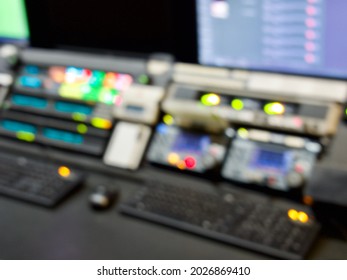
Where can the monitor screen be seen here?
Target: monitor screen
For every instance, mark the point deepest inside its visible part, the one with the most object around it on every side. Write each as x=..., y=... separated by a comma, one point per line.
x=304, y=37
x=13, y=22
x=133, y=26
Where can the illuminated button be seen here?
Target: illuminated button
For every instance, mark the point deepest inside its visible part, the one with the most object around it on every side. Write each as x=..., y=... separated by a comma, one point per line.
x=181, y=165
x=173, y=158
x=25, y=136
x=237, y=104
x=101, y=123
x=303, y=217
x=274, y=108
x=168, y=120
x=293, y=215
x=210, y=99
x=190, y=162
x=64, y=171
x=31, y=82
x=82, y=128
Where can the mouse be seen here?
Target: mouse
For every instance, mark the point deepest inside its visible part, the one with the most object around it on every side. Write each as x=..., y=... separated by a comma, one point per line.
x=102, y=198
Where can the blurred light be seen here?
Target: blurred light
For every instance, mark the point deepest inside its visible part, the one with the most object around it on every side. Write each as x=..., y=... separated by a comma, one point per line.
x=173, y=158
x=303, y=217
x=210, y=99
x=168, y=120
x=308, y=200
x=181, y=165
x=82, y=128
x=25, y=136
x=79, y=117
x=64, y=171
x=243, y=133
x=293, y=214
x=237, y=104
x=190, y=162
x=101, y=123
x=143, y=79
x=274, y=108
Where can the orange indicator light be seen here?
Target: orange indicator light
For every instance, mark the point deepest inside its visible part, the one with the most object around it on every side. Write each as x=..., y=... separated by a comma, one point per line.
x=64, y=171
x=303, y=217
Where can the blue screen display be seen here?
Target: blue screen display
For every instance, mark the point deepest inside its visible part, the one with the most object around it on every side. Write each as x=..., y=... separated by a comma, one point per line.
x=305, y=37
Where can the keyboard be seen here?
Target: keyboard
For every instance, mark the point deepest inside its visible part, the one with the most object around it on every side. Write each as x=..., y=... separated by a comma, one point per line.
x=38, y=181
x=271, y=226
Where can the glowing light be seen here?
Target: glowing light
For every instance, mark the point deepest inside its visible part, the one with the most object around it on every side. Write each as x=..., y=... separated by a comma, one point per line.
x=143, y=79
x=25, y=136
x=303, y=217
x=64, y=171
x=101, y=123
x=308, y=200
x=237, y=104
x=293, y=215
x=210, y=99
x=173, y=158
x=243, y=133
x=274, y=108
x=190, y=162
x=181, y=165
x=82, y=128
x=168, y=120
x=79, y=117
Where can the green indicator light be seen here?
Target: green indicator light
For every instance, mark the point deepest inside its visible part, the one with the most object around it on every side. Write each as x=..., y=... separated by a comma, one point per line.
x=168, y=120
x=25, y=136
x=79, y=117
x=82, y=128
x=243, y=133
x=346, y=111
x=143, y=79
x=274, y=108
x=210, y=99
x=97, y=79
x=237, y=104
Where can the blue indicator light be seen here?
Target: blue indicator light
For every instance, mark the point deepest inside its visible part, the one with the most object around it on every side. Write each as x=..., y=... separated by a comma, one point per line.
x=30, y=82
x=28, y=101
x=31, y=69
x=64, y=136
x=67, y=107
x=16, y=126
x=162, y=128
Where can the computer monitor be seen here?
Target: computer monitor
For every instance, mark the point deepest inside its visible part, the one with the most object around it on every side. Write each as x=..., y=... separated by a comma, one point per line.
x=132, y=26
x=303, y=37
x=13, y=22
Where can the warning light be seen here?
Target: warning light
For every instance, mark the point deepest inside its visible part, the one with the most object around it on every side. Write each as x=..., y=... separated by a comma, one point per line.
x=293, y=215
x=274, y=108
x=173, y=158
x=303, y=217
x=210, y=99
x=168, y=120
x=64, y=171
x=190, y=162
x=237, y=104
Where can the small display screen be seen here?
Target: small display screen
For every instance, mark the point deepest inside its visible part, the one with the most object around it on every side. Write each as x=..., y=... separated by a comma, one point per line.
x=77, y=83
x=270, y=160
x=189, y=142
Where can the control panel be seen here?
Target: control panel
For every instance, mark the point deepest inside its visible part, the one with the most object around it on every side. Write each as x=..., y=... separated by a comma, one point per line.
x=278, y=161
x=186, y=150
x=217, y=109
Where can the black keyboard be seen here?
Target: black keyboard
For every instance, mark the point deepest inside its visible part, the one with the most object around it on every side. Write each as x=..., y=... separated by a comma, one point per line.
x=275, y=227
x=39, y=181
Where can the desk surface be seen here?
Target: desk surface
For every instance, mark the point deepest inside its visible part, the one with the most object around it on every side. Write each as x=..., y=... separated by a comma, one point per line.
x=74, y=231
